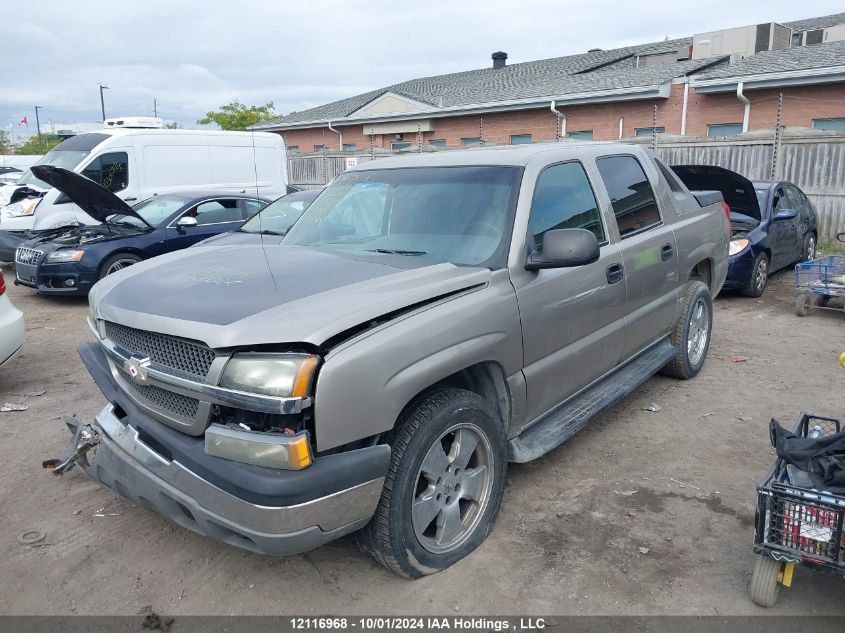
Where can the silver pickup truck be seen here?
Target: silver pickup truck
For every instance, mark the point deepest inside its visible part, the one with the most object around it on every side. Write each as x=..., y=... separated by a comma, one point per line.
x=429, y=319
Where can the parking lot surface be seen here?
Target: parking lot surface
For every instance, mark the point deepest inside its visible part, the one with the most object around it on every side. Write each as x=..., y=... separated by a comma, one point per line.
x=642, y=513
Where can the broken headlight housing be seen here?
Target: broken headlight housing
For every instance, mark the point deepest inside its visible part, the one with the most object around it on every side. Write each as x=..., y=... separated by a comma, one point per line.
x=279, y=375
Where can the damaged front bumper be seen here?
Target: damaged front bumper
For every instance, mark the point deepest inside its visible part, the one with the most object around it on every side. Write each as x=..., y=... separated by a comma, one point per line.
x=263, y=510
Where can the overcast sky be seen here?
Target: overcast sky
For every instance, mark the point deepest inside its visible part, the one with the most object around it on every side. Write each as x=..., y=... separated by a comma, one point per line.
x=195, y=56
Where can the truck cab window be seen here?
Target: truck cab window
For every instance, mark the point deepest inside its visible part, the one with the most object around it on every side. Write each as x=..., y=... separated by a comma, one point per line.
x=563, y=199
x=109, y=170
x=630, y=194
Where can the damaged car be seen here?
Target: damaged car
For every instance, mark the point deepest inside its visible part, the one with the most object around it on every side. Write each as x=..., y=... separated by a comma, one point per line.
x=773, y=224
x=70, y=260
x=428, y=320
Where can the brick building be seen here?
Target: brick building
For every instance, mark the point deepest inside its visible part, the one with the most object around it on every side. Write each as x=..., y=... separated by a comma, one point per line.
x=712, y=84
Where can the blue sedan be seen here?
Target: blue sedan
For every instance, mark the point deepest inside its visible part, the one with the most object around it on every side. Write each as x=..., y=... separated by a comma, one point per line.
x=69, y=260
x=773, y=224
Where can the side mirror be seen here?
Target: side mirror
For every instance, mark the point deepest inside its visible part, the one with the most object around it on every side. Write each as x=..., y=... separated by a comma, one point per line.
x=564, y=248
x=186, y=220
x=785, y=214
x=840, y=237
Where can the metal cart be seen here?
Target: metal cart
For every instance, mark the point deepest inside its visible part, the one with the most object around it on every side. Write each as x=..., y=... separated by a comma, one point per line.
x=818, y=281
x=796, y=524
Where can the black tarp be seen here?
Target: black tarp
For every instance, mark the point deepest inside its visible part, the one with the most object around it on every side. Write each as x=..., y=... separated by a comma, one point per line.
x=823, y=458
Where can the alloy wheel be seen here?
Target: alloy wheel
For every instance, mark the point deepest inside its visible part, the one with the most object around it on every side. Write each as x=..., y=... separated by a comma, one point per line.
x=120, y=264
x=453, y=488
x=761, y=275
x=698, y=332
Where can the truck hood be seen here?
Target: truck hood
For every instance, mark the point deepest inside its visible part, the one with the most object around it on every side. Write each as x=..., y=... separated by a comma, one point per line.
x=96, y=201
x=239, y=295
x=736, y=189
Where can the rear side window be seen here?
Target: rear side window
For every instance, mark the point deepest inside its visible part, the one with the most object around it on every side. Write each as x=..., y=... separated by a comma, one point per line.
x=564, y=199
x=630, y=194
x=109, y=170
x=216, y=212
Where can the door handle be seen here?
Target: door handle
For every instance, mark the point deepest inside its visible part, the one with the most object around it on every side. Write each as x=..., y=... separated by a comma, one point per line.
x=666, y=252
x=614, y=272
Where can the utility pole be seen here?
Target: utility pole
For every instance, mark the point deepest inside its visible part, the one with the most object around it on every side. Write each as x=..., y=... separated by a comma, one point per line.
x=38, y=124
x=155, y=108
x=776, y=140
x=654, y=130
x=103, y=103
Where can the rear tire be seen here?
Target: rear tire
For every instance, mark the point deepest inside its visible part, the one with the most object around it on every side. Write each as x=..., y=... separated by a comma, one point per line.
x=117, y=262
x=759, y=277
x=808, y=249
x=764, y=581
x=691, y=336
x=444, y=485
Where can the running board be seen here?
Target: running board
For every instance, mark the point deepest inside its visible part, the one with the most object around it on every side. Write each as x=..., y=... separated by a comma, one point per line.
x=567, y=419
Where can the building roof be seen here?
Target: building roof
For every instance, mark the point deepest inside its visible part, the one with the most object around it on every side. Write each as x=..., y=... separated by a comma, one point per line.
x=598, y=75
x=819, y=63
x=811, y=24
x=584, y=72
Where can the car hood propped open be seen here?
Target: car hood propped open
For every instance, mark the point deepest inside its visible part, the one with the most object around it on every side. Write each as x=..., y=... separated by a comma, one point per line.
x=736, y=189
x=95, y=200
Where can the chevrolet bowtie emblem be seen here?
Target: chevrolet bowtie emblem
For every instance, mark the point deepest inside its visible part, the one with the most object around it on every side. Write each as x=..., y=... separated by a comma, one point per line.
x=136, y=366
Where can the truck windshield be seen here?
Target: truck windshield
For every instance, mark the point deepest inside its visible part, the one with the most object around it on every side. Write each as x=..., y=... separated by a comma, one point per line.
x=67, y=154
x=447, y=214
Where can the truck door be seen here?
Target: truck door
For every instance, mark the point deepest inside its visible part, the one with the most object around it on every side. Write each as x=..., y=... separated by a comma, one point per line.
x=648, y=252
x=114, y=170
x=573, y=319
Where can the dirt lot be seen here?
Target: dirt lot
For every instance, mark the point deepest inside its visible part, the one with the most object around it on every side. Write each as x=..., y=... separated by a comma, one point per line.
x=566, y=541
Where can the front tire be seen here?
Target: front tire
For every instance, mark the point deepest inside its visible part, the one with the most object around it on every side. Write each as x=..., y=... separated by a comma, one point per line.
x=117, y=262
x=691, y=336
x=759, y=277
x=444, y=486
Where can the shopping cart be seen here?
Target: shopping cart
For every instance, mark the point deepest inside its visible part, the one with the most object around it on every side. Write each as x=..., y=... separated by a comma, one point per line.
x=818, y=281
x=795, y=523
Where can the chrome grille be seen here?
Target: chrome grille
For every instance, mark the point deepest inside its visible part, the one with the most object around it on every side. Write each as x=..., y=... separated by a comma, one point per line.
x=181, y=357
x=165, y=400
x=28, y=256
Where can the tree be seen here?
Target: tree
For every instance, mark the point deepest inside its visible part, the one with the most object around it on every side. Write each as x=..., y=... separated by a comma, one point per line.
x=172, y=125
x=5, y=143
x=237, y=116
x=39, y=144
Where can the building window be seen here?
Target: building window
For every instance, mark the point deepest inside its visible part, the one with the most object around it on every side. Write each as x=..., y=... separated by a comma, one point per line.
x=350, y=147
x=648, y=131
x=584, y=135
x=437, y=143
x=520, y=139
x=319, y=148
x=724, y=129
x=630, y=194
x=470, y=141
x=293, y=149
x=397, y=146
x=832, y=125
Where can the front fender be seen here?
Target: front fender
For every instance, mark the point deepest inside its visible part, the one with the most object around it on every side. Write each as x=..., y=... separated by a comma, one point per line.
x=364, y=385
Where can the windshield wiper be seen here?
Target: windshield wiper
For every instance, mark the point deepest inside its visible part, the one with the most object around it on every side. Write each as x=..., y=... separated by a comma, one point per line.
x=395, y=251
x=262, y=232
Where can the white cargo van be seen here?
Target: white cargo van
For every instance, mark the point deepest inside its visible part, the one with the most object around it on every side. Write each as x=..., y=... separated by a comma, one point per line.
x=138, y=163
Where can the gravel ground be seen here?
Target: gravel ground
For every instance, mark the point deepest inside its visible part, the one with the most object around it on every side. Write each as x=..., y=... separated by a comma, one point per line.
x=568, y=538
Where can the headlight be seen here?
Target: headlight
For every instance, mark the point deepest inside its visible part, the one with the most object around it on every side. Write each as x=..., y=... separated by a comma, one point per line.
x=64, y=256
x=272, y=450
x=24, y=207
x=737, y=246
x=282, y=375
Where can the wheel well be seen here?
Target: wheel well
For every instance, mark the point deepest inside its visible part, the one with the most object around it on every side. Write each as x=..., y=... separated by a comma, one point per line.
x=702, y=271
x=115, y=254
x=487, y=379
